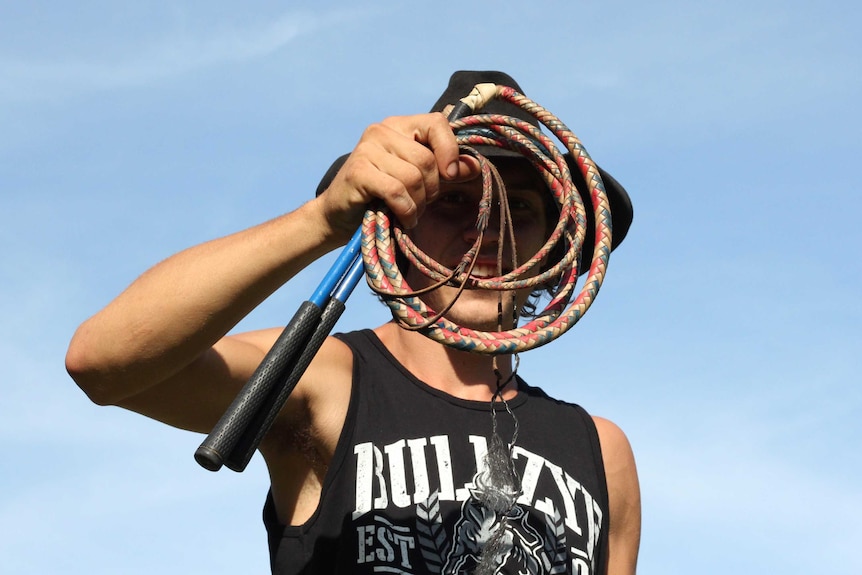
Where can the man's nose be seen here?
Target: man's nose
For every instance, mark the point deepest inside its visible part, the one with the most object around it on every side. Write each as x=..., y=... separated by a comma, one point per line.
x=492, y=227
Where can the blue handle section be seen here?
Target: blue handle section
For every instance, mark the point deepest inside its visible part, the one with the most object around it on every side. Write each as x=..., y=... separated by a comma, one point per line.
x=348, y=256
x=350, y=279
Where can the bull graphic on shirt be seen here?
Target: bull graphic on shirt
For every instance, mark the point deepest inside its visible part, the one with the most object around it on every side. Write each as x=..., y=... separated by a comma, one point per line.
x=489, y=542
x=486, y=542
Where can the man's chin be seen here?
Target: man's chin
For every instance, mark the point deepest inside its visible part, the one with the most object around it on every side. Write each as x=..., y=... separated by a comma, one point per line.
x=478, y=310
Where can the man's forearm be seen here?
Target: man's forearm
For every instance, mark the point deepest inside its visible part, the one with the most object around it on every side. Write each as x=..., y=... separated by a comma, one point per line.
x=183, y=305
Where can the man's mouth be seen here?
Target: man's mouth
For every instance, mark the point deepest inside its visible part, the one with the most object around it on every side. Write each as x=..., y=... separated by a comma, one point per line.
x=488, y=268
x=484, y=271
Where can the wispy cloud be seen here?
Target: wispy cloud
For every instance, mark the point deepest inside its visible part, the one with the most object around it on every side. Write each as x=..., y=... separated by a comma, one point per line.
x=179, y=53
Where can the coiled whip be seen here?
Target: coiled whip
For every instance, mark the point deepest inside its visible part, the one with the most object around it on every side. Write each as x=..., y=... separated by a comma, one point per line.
x=380, y=235
x=373, y=248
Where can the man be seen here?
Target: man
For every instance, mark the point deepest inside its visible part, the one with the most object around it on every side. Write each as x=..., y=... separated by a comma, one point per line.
x=379, y=460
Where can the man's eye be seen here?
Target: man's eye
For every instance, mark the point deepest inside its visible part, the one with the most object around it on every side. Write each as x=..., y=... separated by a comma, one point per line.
x=521, y=205
x=453, y=198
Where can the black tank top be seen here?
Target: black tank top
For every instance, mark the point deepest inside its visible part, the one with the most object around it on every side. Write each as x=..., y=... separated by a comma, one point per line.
x=398, y=496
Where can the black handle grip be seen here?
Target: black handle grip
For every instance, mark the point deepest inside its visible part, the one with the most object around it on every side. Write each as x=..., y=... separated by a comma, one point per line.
x=254, y=433
x=273, y=369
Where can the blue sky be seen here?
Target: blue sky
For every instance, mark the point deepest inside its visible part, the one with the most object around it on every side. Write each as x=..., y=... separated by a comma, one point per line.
x=725, y=340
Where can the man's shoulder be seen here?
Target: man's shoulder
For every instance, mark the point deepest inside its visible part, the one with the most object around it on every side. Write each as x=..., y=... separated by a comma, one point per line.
x=615, y=444
x=334, y=359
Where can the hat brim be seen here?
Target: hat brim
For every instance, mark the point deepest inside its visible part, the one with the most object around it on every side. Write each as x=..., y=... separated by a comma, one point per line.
x=618, y=198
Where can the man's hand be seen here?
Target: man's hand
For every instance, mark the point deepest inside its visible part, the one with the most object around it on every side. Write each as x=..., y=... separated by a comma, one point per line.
x=400, y=161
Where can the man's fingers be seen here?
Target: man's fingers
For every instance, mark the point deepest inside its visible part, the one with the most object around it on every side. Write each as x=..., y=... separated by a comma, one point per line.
x=404, y=185
x=378, y=175
x=467, y=169
x=401, y=161
x=435, y=133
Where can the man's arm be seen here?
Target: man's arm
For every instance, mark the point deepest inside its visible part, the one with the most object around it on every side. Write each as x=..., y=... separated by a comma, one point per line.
x=160, y=348
x=167, y=327
x=624, y=498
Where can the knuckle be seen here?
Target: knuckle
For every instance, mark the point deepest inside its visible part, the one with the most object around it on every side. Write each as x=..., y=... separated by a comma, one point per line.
x=408, y=208
x=440, y=119
x=392, y=122
x=425, y=161
x=407, y=214
x=413, y=179
x=371, y=132
x=354, y=167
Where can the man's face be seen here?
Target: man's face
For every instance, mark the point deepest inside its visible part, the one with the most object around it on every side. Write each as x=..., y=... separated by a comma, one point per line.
x=447, y=230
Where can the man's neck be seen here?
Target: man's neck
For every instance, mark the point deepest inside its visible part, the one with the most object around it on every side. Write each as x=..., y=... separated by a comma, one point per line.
x=459, y=373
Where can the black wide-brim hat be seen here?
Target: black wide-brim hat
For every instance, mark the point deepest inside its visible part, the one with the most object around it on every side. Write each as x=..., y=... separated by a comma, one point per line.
x=460, y=85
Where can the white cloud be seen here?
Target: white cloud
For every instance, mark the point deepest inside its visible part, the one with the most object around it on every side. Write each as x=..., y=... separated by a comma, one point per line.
x=172, y=55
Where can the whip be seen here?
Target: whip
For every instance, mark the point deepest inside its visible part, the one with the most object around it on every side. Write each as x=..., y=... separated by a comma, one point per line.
x=373, y=248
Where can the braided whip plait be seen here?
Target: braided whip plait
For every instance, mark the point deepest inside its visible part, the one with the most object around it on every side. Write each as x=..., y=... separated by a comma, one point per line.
x=380, y=235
